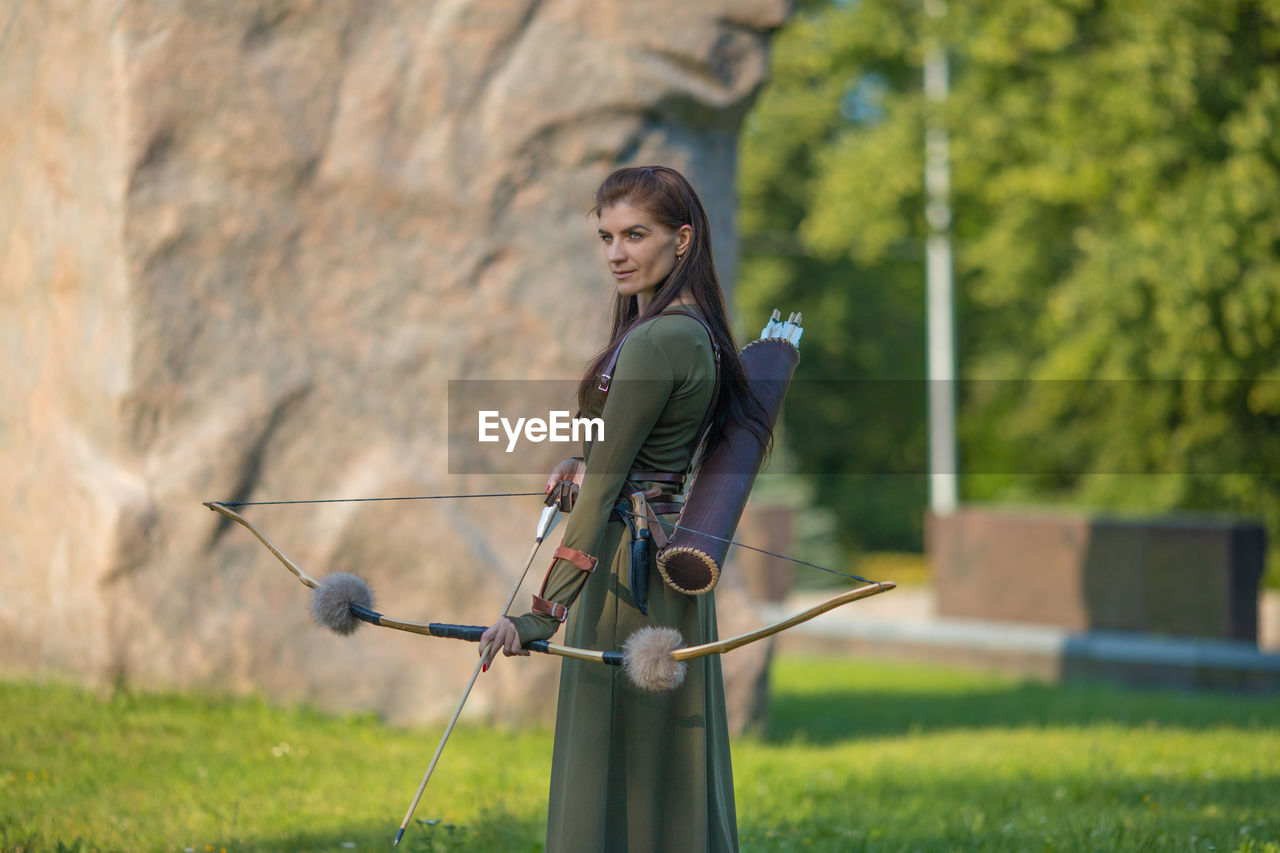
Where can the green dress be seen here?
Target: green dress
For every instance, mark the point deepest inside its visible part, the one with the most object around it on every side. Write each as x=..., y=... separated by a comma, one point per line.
x=636, y=771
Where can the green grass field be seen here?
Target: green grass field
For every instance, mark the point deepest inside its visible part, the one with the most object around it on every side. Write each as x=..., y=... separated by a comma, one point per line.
x=857, y=756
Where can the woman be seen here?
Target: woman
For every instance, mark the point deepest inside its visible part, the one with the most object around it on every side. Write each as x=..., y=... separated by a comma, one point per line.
x=633, y=770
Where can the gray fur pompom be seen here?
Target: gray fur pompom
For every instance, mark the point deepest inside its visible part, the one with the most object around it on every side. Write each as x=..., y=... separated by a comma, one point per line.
x=647, y=661
x=331, y=601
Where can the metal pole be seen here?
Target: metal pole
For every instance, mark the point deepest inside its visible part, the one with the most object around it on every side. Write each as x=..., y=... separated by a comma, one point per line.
x=938, y=279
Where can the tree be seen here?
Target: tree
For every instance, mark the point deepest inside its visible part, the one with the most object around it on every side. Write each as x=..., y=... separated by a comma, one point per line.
x=853, y=415
x=1116, y=189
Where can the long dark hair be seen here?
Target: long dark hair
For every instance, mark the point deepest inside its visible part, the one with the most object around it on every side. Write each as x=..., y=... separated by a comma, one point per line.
x=667, y=196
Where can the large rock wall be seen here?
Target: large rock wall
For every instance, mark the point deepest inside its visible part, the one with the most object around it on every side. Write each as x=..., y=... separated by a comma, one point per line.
x=243, y=248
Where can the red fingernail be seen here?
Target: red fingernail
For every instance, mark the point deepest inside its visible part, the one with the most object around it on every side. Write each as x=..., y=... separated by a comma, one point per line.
x=484, y=668
x=548, y=491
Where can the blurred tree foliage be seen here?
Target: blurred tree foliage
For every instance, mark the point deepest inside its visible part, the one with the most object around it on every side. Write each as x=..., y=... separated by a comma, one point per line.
x=1116, y=199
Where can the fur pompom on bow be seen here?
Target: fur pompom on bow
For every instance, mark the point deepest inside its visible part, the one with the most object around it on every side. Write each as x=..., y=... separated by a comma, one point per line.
x=647, y=660
x=331, y=601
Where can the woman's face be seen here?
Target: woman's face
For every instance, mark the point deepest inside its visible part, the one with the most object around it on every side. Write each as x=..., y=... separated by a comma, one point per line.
x=640, y=251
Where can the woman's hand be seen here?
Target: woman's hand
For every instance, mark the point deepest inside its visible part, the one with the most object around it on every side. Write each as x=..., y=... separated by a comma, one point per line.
x=564, y=482
x=570, y=470
x=500, y=635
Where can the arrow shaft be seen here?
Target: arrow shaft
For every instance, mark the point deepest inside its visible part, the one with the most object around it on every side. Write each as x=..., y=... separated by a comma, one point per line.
x=435, y=759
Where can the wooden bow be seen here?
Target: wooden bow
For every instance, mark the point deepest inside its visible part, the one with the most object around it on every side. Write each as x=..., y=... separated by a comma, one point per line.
x=472, y=633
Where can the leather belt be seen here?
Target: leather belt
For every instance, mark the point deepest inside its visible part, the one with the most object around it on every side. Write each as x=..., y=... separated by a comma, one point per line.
x=661, y=501
x=658, y=501
x=660, y=507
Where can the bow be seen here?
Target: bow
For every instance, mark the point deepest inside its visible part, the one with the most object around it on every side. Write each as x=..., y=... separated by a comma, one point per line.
x=653, y=658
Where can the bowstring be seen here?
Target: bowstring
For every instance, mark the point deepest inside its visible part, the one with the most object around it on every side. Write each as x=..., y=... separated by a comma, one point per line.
x=631, y=513
x=363, y=500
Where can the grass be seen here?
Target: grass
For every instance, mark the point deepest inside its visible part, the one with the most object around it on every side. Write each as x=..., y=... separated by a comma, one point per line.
x=856, y=756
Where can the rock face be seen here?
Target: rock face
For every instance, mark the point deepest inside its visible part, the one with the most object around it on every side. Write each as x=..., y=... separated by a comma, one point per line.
x=243, y=249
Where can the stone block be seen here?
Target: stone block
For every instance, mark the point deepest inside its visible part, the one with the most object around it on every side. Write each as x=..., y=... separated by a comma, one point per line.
x=1178, y=575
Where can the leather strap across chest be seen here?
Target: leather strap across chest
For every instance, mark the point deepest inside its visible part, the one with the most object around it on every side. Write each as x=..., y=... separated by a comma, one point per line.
x=606, y=377
x=704, y=428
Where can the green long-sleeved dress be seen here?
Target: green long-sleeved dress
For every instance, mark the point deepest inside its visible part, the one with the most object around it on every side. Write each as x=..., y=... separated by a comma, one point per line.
x=636, y=771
